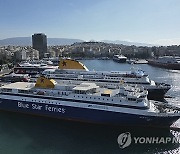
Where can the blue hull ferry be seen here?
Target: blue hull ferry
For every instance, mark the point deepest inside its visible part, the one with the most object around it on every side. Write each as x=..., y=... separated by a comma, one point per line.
x=87, y=102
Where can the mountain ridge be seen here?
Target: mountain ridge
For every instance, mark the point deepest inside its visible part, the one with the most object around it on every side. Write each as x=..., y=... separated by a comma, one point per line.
x=129, y=43
x=27, y=41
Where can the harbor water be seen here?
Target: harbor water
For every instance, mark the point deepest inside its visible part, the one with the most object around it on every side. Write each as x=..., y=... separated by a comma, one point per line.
x=26, y=134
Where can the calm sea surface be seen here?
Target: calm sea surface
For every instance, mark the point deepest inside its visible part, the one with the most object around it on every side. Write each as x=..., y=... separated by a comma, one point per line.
x=27, y=134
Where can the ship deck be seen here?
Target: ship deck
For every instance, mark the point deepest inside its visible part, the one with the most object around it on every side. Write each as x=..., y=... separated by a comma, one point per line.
x=25, y=86
x=19, y=85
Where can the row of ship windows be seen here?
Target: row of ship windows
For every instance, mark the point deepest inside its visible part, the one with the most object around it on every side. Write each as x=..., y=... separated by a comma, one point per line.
x=42, y=101
x=128, y=83
x=74, y=96
x=111, y=84
x=115, y=78
x=96, y=98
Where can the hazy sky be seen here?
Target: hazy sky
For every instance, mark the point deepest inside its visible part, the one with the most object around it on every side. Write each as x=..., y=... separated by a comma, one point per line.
x=146, y=21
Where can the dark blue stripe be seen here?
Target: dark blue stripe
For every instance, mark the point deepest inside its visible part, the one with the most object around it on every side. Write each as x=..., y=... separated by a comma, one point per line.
x=89, y=115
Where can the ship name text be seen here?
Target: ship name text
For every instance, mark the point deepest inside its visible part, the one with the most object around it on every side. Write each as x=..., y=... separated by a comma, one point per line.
x=33, y=106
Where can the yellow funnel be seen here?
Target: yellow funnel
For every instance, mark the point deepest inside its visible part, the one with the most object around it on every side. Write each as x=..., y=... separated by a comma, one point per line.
x=71, y=64
x=43, y=82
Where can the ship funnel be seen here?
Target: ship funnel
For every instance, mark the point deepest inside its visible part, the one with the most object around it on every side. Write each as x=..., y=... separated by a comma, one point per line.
x=71, y=64
x=43, y=82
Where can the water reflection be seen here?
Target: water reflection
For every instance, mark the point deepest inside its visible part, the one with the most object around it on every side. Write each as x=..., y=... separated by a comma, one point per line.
x=45, y=135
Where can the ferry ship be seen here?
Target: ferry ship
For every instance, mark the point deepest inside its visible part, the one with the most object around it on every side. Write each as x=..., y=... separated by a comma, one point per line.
x=168, y=62
x=12, y=77
x=73, y=70
x=32, y=68
x=86, y=102
x=119, y=58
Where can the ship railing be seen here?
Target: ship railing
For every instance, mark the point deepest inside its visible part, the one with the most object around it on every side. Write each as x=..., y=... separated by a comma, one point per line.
x=161, y=85
x=167, y=108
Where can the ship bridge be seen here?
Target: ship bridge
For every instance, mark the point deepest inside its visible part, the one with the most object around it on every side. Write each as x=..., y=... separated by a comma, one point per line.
x=84, y=88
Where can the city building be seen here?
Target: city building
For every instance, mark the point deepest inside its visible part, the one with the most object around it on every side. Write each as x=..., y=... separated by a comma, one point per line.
x=20, y=55
x=39, y=42
x=32, y=54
